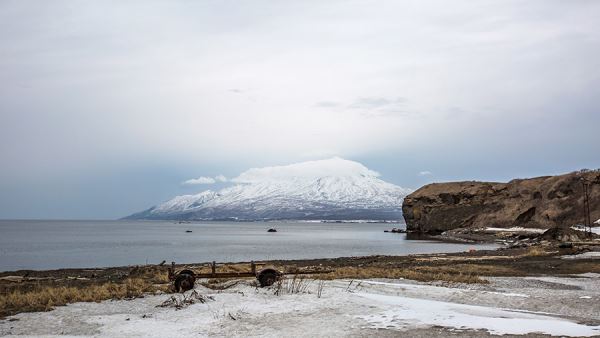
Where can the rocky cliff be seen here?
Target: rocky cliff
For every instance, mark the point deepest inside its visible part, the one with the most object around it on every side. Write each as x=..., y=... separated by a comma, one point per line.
x=541, y=202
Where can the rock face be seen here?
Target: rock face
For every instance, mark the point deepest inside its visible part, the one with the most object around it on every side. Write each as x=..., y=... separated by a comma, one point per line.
x=541, y=202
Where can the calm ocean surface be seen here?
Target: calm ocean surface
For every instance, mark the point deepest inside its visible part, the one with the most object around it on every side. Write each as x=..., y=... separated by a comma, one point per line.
x=62, y=244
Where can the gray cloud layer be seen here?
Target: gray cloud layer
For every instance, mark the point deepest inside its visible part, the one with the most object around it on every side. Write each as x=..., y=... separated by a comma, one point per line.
x=98, y=91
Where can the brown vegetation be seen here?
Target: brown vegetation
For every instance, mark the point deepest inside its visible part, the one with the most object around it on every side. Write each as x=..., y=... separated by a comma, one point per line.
x=423, y=274
x=45, y=298
x=36, y=293
x=294, y=285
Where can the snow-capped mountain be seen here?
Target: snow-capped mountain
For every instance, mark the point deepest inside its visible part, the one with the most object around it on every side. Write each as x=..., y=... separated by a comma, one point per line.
x=326, y=189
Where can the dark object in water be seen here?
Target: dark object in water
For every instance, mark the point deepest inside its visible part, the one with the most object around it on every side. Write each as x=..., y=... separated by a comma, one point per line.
x=188, y=231
x=272, y=230
x=396, y=231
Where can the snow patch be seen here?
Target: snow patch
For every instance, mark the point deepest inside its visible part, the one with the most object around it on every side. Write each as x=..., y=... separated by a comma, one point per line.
x=585, y=255
x=431, y=289
x=516, y=229
x=594, y=229
x=508, y=294
x=410, y=313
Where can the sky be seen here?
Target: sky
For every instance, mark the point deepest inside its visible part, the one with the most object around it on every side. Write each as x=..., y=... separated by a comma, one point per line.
x=109, y=107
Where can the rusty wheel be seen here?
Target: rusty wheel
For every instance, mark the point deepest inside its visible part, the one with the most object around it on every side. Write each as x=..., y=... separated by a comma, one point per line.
x=187, y=272
x=184, y=282
x=267, y=277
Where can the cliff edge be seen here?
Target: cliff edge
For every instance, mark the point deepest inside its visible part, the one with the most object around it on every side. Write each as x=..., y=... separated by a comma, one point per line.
x=541, y=202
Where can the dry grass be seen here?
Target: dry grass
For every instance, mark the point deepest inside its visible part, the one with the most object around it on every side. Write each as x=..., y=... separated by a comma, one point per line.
x=296, y=284
x=423, y=274
x=579, y=267
x=152, y=274
x=480, y=269
x=320, y=287
x=181, y=301
x=226, y=283
x=45, y=298
x=535, y=251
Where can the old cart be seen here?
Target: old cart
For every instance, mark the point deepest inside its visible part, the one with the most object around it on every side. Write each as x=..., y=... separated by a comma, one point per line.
x=184, y=280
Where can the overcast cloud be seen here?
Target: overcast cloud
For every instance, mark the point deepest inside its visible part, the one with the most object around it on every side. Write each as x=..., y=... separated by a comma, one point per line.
x=106, y=106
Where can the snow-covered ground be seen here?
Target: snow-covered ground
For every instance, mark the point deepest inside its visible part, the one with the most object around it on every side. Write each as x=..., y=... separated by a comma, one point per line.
x=585, y=255
x=546, y=305
x=595, y=228
x=515, y=229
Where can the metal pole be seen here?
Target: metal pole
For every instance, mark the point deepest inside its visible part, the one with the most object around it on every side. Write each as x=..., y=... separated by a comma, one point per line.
x=587, y=221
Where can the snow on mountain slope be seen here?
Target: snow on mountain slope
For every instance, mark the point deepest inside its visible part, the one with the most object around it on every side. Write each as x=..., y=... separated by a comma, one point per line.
x=325, y=189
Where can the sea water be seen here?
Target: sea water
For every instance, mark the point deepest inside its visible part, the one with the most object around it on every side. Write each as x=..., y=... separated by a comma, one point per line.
x=36, y=244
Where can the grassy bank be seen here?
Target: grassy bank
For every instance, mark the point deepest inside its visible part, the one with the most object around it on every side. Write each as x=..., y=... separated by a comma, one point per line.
x=45, y=298
x=44, y=294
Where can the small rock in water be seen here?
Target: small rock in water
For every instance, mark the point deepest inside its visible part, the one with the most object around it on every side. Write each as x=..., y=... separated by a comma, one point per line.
x=396, y=231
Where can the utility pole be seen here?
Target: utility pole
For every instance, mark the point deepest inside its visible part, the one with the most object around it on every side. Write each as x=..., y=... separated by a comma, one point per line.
x=587, y=221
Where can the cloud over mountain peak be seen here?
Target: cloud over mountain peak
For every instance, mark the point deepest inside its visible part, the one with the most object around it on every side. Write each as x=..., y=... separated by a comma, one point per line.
x=335, y=166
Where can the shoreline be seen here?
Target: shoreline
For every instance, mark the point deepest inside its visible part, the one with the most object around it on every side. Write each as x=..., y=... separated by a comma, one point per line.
x=410, y=236
x=533, y=291
x=61, y=271
x=507, y=241
x=461, y=267
x=443, y=238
